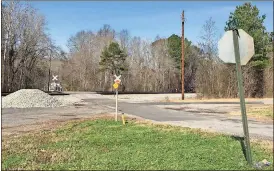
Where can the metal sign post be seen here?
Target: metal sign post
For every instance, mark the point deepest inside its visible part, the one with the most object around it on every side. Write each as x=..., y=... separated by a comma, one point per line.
x=115, y=86
x=116, y=114
x=236, y=46
x=241, y=94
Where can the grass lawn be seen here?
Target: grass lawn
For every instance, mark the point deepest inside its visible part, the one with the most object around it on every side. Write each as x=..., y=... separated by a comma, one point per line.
x=106, y=144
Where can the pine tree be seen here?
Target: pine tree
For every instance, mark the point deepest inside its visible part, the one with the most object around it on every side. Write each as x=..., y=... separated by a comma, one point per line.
x=113, y=59
x=247, y=17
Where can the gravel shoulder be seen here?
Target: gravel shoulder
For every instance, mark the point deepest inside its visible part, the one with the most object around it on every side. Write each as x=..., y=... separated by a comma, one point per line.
x=136, y=98
x=176, y=98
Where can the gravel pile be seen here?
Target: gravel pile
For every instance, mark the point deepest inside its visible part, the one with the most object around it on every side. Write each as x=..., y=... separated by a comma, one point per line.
x=28, y=98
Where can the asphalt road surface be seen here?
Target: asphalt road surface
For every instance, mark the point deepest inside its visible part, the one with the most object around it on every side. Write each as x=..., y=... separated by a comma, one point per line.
x=212, y=119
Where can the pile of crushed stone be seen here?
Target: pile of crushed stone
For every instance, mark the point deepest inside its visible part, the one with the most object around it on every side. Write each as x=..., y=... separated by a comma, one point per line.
x=28, y=98
x=68, y=99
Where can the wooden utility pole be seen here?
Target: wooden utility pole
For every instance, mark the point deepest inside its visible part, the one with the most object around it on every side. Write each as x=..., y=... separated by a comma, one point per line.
x=183, y=56
x=49, y=70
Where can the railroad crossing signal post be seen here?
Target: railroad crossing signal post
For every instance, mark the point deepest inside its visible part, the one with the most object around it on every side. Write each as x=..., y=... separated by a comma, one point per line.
x=236, y=46
x=115, y=86
x=116, y=109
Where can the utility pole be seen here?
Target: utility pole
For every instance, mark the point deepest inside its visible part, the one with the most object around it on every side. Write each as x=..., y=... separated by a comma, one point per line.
x=49, y=70
x=183, y=56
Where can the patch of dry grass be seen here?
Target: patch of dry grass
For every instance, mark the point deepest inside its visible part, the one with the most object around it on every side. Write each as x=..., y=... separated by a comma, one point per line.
x=258, y=111
x=216, y=100
x=266, y=145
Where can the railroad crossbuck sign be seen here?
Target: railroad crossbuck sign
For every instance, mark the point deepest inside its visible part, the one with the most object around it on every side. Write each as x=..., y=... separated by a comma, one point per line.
x=117, y=79
x=55, y=77
x=226, y=47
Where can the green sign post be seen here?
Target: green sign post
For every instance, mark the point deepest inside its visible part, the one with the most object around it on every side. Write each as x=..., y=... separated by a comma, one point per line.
x=236, y=46
x=241, y=94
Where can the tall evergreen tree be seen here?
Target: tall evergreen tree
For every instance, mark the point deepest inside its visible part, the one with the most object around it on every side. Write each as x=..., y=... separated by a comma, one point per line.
x=247, y=17
x=113, y=59
x=175, y=50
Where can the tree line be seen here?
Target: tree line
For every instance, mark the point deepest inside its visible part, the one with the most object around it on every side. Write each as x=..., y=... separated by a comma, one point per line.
x=24, y=46
x=95, y=56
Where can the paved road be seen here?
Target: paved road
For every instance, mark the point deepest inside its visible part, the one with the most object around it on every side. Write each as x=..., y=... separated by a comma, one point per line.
x=215, y=120
x=218, y=121
x=24, y=120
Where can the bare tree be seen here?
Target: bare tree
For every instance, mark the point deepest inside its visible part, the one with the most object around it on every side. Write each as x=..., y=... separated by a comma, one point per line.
x=209, y=40
x=124, y=38
x=25, y=43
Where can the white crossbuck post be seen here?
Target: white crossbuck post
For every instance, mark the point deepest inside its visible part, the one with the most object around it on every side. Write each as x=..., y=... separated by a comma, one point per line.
x=117, y=80
x=116, y=114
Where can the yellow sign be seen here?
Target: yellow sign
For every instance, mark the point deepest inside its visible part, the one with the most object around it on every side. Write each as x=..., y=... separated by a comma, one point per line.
x=115, y=85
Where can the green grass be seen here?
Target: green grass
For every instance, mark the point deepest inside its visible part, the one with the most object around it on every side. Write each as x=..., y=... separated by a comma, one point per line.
x=106, y=144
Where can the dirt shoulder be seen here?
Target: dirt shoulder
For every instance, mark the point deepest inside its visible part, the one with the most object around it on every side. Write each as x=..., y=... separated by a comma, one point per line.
x=56, y=123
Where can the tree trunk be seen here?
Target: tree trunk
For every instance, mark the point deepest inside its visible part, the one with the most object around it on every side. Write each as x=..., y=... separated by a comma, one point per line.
x=259, y=89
